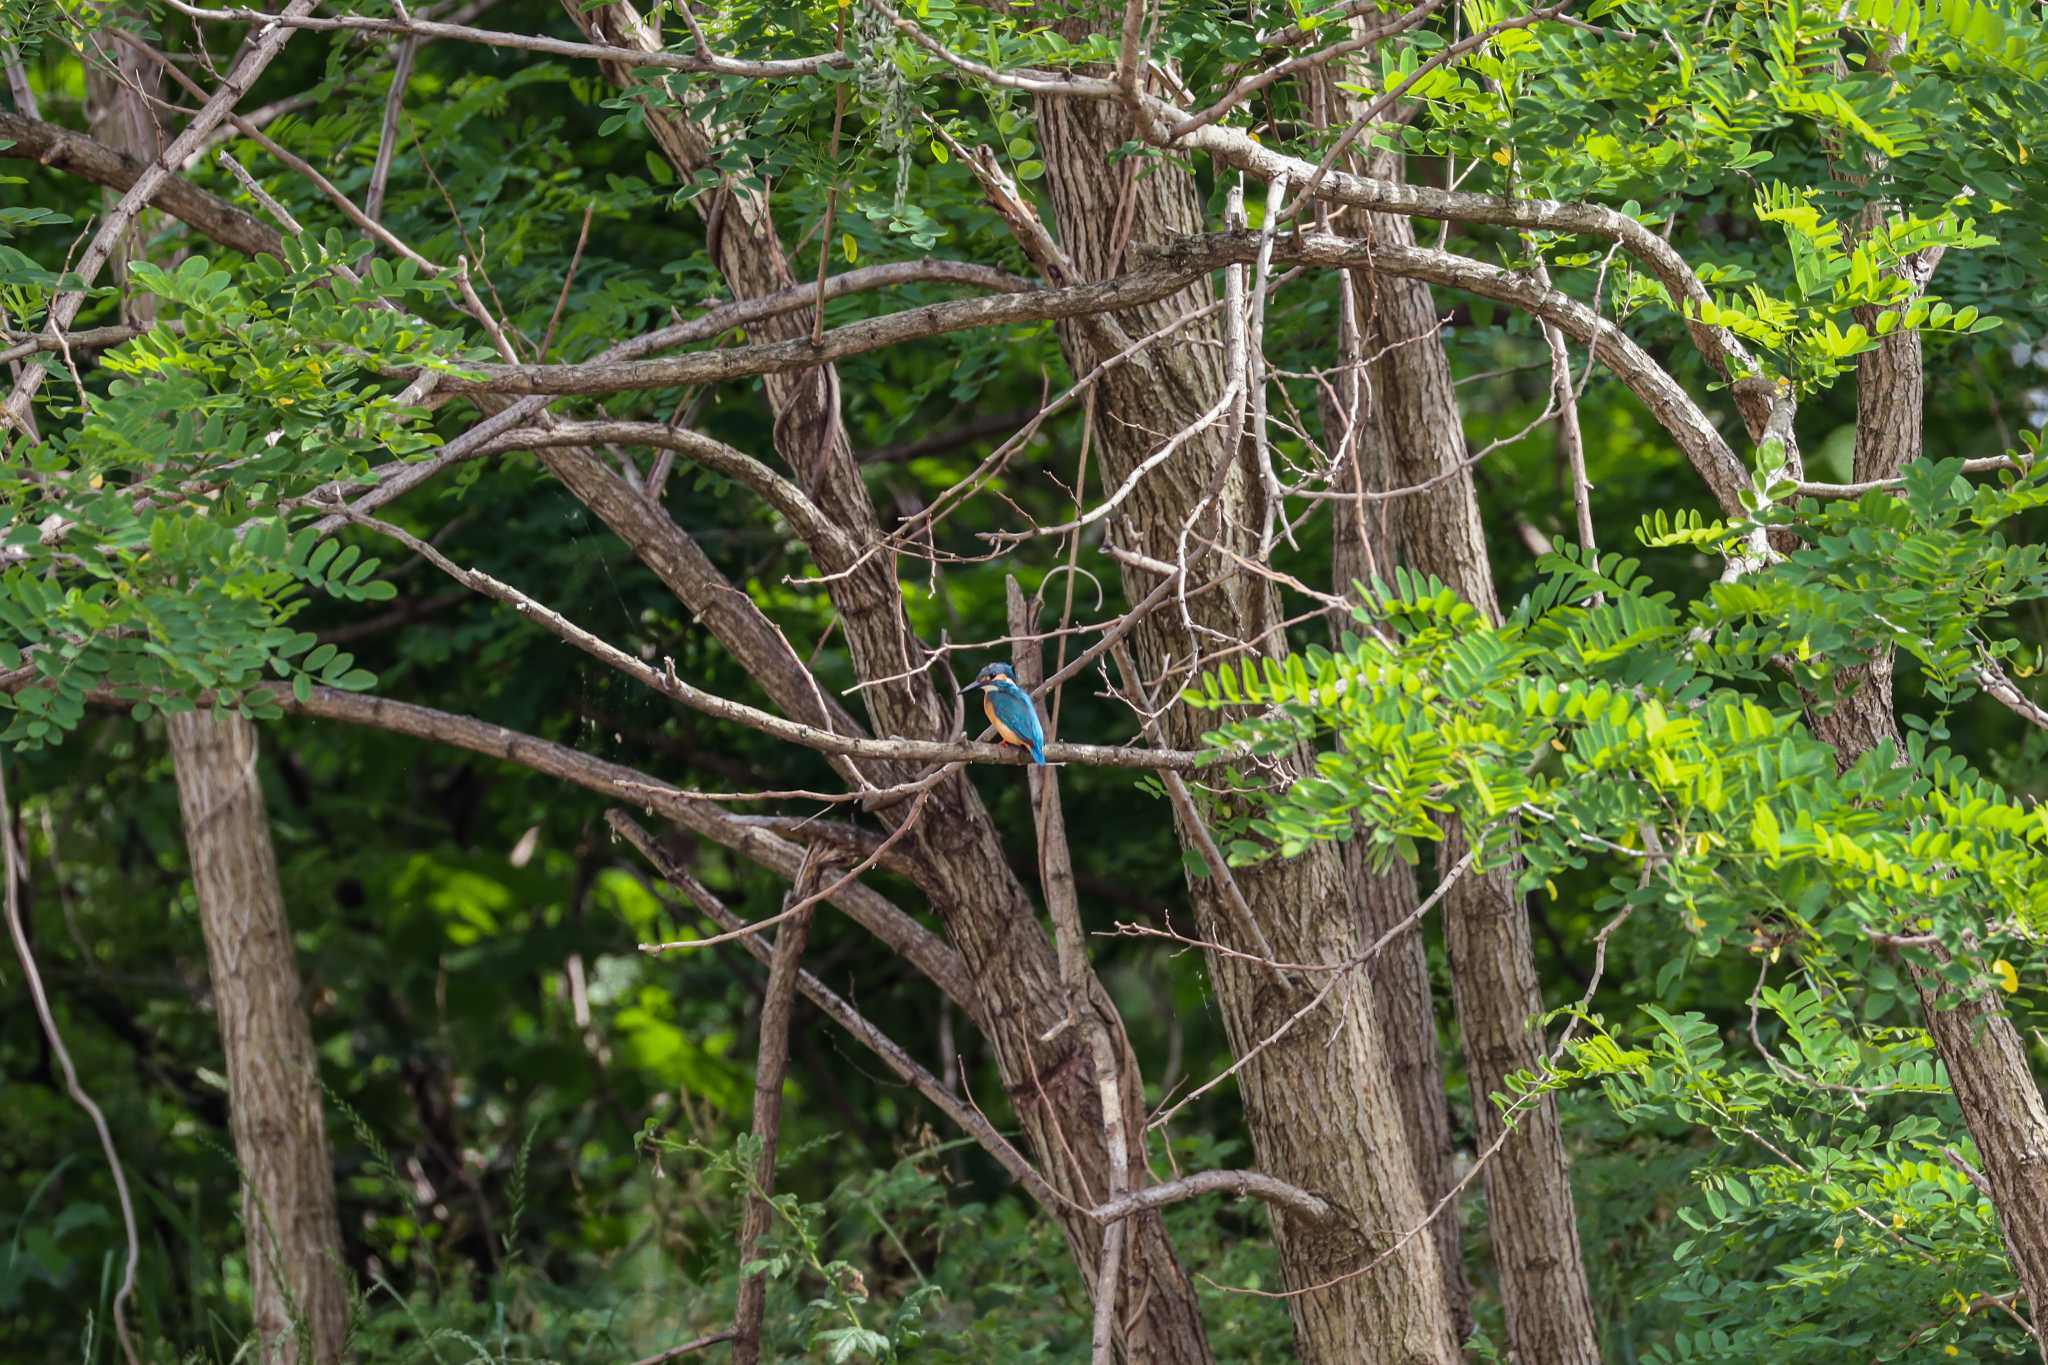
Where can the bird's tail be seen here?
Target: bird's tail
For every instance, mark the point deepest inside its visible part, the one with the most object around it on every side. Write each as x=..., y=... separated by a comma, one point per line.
x=1038, y=753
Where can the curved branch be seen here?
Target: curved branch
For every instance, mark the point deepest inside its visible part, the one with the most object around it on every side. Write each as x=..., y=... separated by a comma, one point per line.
x=10, y=869
x=865, y=906
x=666, y=682
x=1674, y=408
x=395, y=480
x=868, y=908
x=1255, y=1183
x=1306, y=61
x=76, y=154
x=804, y=353
x=1180, y=263
x=1168, y=126
x=1234, y=147
x=819, y=531
x=702, y=63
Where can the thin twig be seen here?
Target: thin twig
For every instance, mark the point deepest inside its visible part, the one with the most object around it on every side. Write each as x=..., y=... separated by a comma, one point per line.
x=771, y=1065
x=13, y=874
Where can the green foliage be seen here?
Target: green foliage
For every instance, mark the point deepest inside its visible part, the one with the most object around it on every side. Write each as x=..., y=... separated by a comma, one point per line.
x=1834, y=283
x=154, y=545
x=1598, y=719
x=494, y=1203
x=1602, y=727
x=1835, y=1215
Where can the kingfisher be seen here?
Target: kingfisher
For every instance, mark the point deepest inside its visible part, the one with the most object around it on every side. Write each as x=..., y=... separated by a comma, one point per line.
x=1010, y=709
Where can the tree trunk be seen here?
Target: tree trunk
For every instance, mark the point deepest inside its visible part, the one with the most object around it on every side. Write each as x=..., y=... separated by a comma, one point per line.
x=1529, y=1205
x=280, y=1130
x=1974, y=1036
x=2001, y=1104
x=1321, y=1112
x=1048, y=1070
x=1363, y=544
x=298, y=1295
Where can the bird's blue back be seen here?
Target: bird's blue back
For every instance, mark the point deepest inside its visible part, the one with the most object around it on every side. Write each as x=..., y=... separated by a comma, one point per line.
x=1012, y=708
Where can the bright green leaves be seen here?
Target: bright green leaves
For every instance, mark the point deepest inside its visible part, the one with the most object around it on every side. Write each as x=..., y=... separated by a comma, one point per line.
x=1924, y=571
x=193, y=285
x=1814, y=332
x=327, y=565
x=1834, y=1210
x=1661, y=531
x=2004, y=36
x=158, y=546
x=1601, y=722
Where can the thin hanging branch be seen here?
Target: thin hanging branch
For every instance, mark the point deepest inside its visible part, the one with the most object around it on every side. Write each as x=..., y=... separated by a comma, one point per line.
x=12, y=870
x=771, y=1065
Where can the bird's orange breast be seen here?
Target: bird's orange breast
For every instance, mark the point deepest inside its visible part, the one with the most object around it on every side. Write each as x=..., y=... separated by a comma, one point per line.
x=988, y=706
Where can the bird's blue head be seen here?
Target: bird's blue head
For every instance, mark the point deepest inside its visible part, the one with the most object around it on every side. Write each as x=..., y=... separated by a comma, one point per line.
x=991, y=675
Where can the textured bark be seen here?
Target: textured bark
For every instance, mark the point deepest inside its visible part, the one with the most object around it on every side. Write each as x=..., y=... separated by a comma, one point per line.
x=1321, y=1113
x=61, y=149
x=1978, y=1043
x=1486, y=927
x=1048, y=1071
x=1995, y=1088
x=771, y=1065
x=274, y=1105
x=1889, y=397
x=1364, y=542
x=298, y=1294
x=1975, y=1037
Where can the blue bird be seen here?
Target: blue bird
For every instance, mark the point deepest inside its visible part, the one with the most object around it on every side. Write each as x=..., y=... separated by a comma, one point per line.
x=1010, y=709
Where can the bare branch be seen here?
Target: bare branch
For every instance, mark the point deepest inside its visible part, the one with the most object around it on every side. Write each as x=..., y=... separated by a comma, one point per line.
x=872, y=911
x=819, y=531
x=10, y=868
x=1254, y=1183
x=690, y=1347
x=76, y=154
x=387, y=141
x=969, y=1119
x=856, y=338
x=669, y=685
x=527, y=42
x=771, y=1065
x=1428, y=903
x=1668, y=401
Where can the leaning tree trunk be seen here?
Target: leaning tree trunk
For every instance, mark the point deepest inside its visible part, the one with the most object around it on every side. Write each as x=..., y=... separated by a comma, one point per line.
x=1486, y=927
x=1020, y=1006
x=1321, y=1112
x=298, y=1296
x=1987, y=1062
x=274, y=1104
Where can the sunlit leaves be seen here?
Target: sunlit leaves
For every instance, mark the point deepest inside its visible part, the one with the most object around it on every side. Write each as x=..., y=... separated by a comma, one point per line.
x=1601, y=721
x=154, y=551
x=1827, y=1214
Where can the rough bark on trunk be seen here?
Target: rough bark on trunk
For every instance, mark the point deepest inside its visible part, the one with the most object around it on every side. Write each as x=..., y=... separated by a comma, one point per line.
x=274, y=1104
x=1363, y=543
x=1048, y=1072
x=1529, y=1202
x=298, y=1293
x=1976, y=1040
x=1321, y=1112
x=1974, y=1036
x=2001, y=1104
